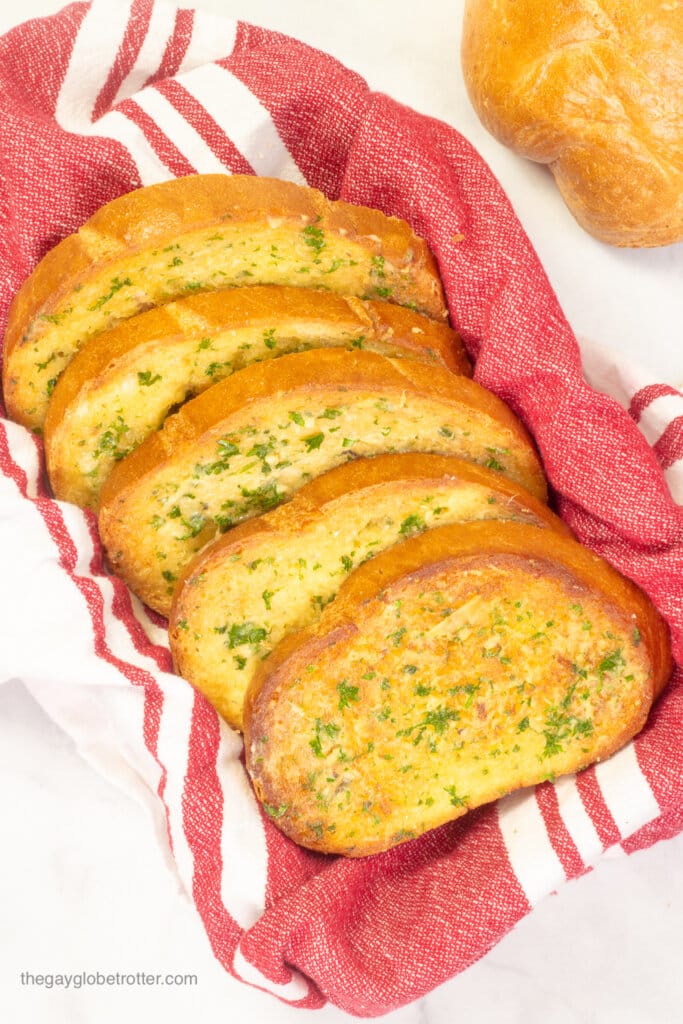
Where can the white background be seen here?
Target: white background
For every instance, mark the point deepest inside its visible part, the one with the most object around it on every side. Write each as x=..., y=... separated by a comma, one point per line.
x=83, y=886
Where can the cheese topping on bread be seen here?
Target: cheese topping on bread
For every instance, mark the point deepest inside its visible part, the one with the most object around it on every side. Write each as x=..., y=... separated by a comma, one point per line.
x=204, y=232
x=470, y=661
x=123, y=383
x=251, y=441
x=275, y=573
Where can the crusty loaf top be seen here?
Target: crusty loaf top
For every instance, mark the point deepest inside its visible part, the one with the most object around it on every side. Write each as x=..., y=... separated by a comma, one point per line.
x=466, y=662
x=593, y=89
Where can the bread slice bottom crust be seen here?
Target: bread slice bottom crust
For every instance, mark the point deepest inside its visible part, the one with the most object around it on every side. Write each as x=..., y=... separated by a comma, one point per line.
x=274, y=574
x=466, y=663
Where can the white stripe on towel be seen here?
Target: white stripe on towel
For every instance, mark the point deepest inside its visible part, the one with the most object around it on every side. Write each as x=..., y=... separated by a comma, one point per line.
x=531, y=854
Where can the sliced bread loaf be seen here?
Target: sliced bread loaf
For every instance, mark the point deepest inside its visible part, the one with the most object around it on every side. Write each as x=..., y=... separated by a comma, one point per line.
x=203, y=232
x=274, y=574
x=468, y=662
x=251, y=441
x=122, y=384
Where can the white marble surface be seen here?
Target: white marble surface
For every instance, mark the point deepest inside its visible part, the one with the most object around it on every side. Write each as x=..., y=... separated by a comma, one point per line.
x=83, y=887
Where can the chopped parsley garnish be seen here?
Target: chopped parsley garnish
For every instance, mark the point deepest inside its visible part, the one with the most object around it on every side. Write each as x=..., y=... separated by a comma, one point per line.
x=457, y=801
x=238, y=634
x=347, y=694
x=275, y=812
x=145, y=378
x=328, y=729
x=116, y=285
x=262, y=498
x=227, y=448
x=194, y=525
x=412, y=524
x=109, y=441
x=611, y=662
x=437, y=720
x=314, y=238
x=397, y=635
x=561, y=725
x=378, y=266
x=313, y=441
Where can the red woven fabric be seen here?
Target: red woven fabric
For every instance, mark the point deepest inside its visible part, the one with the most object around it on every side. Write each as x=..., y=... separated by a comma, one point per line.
x=368, y=935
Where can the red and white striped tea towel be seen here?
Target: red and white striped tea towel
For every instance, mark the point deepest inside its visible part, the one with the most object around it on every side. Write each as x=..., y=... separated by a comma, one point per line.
x=100, y=99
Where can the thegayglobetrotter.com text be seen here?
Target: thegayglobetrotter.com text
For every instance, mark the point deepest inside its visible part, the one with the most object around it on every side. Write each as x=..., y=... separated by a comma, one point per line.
x=109, y=979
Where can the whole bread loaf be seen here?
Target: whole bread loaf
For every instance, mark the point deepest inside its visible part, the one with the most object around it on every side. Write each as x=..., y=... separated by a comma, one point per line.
x=593, y=89
x=275, y=573
x=123, y=383
x=200, y=233
x=465, y=663
x=249, y=442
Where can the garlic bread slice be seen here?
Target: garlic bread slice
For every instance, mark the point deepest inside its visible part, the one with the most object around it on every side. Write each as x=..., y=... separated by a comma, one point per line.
x=123, y=383
x=200, y=233
x=248, y=443
x=468, y=662
x=274, y=574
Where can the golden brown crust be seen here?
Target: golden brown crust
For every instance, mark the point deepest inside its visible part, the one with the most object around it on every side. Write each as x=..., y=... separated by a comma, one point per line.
x=180, y=349
x=593, y=90
x=341, y=517
x=501, y=706
x=147, y=220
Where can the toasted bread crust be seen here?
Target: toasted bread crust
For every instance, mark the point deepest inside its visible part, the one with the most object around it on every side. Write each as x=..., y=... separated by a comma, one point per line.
x=358, y=737
x=266, y=427
x=127, y=257
x=277, y=571
x=121, y=385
